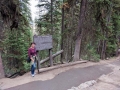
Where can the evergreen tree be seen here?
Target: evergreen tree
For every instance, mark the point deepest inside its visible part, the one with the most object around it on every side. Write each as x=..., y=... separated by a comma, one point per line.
x=17, y=41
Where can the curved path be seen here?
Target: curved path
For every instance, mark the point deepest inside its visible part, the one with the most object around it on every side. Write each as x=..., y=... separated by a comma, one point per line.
x=72, y=77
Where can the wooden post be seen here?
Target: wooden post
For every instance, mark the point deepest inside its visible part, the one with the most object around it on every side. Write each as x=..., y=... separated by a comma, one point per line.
x=38, y=62
x=50, y=55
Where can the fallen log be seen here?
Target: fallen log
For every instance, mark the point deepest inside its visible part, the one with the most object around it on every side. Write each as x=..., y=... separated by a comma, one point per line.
x=62, y=65
x=53, y=56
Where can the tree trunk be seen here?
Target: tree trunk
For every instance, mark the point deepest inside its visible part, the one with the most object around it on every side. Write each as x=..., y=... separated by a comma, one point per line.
x=77, y=49
x=105, y=33
x=1, y=67
x=79, y=34
x=51, y=17
x=62, y=30
x=103, y=52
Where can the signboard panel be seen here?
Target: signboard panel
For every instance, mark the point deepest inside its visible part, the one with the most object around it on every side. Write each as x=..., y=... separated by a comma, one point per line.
x=43, y=42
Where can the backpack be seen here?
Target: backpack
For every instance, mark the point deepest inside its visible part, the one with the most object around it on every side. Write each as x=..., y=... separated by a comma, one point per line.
x=28, y=60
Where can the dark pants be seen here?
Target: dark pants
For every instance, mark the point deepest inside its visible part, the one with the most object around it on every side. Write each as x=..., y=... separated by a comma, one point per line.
x=33, y=69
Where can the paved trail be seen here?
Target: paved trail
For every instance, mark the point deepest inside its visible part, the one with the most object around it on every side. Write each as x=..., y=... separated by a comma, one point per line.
x=70, y=78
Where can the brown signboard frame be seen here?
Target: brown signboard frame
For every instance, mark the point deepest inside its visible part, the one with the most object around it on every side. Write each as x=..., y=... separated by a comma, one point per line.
x=43, y=43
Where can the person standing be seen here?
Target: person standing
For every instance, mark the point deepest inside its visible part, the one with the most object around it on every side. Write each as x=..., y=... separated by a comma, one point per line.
x=32, y=55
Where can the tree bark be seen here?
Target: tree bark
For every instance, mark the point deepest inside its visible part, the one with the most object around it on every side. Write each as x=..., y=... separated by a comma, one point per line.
x=79, y=34
x=51, y=17
x=103, y=52
x=62, y=30
x=1, y=67
x=105, y=33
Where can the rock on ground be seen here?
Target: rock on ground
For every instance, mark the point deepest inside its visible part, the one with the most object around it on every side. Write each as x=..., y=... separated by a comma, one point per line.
x=105, y=82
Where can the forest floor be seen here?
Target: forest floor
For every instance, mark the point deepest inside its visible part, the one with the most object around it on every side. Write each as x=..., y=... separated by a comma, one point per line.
x=103, y=75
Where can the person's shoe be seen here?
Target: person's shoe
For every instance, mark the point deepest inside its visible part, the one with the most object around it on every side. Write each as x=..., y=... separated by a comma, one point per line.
x=33, y=75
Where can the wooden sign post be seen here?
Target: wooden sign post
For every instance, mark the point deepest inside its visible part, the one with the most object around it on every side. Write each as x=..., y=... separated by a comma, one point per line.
x=50, y=55
x=43, y=43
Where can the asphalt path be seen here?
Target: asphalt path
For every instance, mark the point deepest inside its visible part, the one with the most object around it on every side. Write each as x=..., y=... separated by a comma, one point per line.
x=66, y=80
